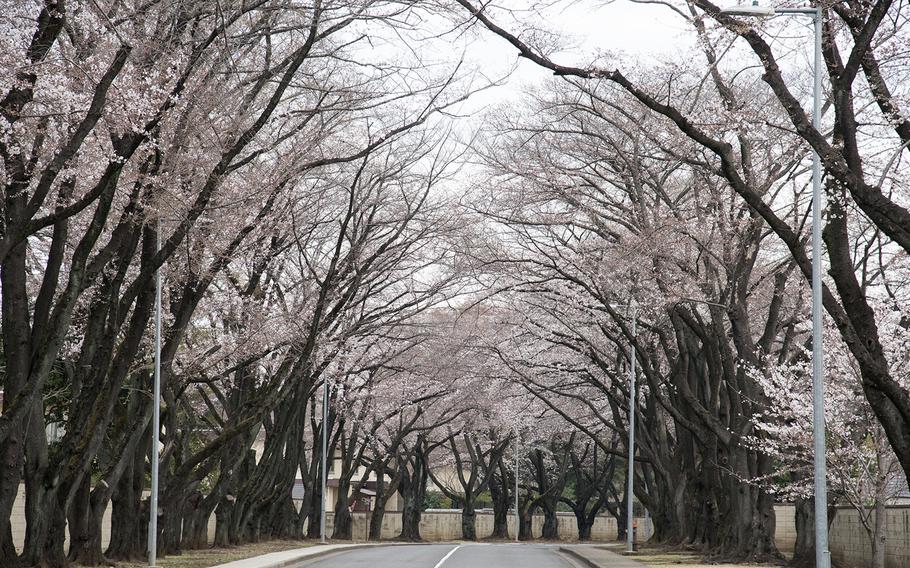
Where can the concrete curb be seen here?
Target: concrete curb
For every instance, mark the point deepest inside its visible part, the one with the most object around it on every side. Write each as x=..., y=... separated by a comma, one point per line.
x=599, y=557
x=580, y=557
x=285, y=558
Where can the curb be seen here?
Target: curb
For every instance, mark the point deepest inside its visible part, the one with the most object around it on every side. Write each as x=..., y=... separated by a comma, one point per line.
x=580, y=557
x=284, y=562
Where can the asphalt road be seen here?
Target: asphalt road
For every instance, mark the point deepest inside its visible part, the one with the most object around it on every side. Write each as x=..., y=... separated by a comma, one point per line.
x=446, y=556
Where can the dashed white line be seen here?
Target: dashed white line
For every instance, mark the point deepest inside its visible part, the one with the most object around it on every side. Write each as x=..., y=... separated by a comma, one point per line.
x=446, y=557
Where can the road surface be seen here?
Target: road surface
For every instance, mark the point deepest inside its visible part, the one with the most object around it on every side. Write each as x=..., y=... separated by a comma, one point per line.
x=446, y=556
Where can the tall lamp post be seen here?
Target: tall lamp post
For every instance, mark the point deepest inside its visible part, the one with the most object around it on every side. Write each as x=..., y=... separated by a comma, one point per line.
x=325, y=444
x=630, y=523
x=822, y=555
x=156, y=416
x=517, y=517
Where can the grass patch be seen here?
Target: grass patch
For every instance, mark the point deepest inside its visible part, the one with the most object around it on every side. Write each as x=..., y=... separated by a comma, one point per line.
x=214, y=556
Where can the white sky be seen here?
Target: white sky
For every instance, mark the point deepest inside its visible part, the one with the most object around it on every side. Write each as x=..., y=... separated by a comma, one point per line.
x=641, y=33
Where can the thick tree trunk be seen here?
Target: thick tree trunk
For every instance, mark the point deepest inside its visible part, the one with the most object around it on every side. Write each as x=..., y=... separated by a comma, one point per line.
x=85, y=528
x=468, y=521
x=410, y=521
x=283, y=521
x=376, y=516
x=804, y=549
x=54, y=556
x=550, y=529
x=499, y=491
x=17, y=355
x=411, y=511
x=170, y=525
x=741, y=526
x=314, y=514
x=195, y=523
x=223, y=515
x=343, y=526
x=525, y=522
x=584, y=525
x=413, y=488
x=8, y=556
x=37, y=521
x=129, y=515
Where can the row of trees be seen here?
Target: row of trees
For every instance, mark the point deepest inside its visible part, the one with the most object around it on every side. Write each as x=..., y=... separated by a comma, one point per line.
x=676, y=195
x=284, y=181
x=281, y=177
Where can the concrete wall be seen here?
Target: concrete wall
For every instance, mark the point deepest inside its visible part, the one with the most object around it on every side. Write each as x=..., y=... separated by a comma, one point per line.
x=848, y=539
x=17, y=521
x=446, y=525
x=785, y=529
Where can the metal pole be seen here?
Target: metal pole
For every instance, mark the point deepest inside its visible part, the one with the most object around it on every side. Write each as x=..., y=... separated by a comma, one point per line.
x=517, y=518
x=629, y=521
x=156, y=414
x=325, y=445
x=822, y=555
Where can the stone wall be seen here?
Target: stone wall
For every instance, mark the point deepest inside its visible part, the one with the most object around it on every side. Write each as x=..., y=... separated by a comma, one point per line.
x=446, y=525
x=850, y=545
x=848, y=539
x=785, y=528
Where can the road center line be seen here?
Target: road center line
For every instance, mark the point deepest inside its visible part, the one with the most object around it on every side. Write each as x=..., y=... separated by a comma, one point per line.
x=446, y=557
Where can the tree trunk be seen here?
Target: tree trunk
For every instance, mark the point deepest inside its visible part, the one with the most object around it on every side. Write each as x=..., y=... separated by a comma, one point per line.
x=550, y=530
x=85, y=528
x=223, y=514
x=376, y=517
x=315, y=512
x=343, y=526
x=499, y=491
x=584, y=525
x=195, y=523
x=17, y=355
x=804, y=549
x=53, y=556
x=468, y=521
x=413, y=487
x=129, y=514
x=525, y=522
x=170, y=525
x=8, y=556
x=411, y=510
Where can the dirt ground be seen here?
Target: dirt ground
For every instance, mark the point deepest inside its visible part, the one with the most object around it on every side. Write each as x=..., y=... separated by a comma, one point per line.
x=215, y=556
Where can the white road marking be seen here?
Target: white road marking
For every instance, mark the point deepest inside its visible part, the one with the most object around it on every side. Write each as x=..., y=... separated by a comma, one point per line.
x=446, y=557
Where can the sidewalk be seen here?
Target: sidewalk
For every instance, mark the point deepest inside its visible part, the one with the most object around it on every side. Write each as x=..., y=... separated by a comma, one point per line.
x=289, y=557
x=599, y=557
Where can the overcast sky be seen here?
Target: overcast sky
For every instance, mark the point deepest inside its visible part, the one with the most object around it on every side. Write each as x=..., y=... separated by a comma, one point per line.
x=645, y=33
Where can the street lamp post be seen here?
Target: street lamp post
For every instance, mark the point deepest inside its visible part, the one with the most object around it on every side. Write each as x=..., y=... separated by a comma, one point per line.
x=517, y=517
x=630, y=524
x=822, y=555
x=156, y=416
x=325, y=444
